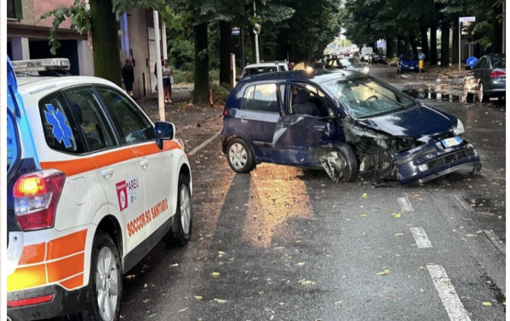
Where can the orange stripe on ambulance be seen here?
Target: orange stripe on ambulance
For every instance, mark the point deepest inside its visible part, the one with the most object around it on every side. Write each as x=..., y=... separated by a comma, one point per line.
x=146, y=217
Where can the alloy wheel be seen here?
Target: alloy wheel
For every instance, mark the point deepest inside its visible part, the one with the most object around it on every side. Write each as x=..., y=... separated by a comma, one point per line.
x=107, y=284
x=185, y=208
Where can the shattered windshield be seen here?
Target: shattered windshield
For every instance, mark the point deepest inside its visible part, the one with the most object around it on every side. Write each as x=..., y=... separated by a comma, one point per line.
x=366, y=97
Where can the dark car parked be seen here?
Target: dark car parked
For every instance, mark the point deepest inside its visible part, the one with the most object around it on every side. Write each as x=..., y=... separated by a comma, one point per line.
x=377, y=58
x=487, y=78
x=346, y=123
x=407, y=62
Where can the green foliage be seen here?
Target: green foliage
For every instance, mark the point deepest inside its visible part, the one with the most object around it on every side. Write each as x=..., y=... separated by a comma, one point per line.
x=220, y=93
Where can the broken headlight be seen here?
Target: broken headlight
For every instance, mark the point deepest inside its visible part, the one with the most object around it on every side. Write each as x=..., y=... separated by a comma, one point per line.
x=459, y=129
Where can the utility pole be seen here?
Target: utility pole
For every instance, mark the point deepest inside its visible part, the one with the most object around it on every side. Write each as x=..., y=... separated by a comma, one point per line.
x=159, y=73
x=255, y=31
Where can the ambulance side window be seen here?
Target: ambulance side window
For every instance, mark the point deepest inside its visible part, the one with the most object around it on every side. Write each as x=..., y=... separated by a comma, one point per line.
x=12, y=140
x=133, y=125
x=57, y=124
x=86, y=108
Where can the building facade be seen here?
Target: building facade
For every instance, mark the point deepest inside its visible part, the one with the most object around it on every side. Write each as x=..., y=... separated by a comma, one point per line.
x=27, y=38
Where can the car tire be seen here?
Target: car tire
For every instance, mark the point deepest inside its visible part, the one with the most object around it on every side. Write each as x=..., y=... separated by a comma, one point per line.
x=180, y=233
x=239, y=156
x=482, y=97
x=105, y=282
x=346, y=152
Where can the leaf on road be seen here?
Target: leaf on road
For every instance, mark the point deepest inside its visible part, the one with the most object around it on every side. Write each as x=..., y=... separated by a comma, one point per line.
x=307, y=282
x=422, y=268
x=174, y=265
x=300, y=263
x=365, y=195
x=363, y=215
x=385, y=272
x=487, y=304
x=182, y=310
x=397, y=255
x=469, y=235
x=198, y=297
x=431, y=263
x=220, y=300
x=279, y=248
x=338, y=303
x=399, y=234
x=396, y=215
x=215, y=274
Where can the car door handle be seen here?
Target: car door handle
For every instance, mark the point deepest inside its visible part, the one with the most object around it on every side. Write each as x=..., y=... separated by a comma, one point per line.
x=107, y=172
x=144, y=163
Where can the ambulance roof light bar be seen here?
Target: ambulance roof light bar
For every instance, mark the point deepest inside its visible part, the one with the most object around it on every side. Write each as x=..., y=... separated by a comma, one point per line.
x=35, y=65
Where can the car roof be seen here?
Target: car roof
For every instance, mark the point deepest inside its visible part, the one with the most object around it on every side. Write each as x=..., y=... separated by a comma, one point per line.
x=42, y=85
x=264, y=64
x=316, y=76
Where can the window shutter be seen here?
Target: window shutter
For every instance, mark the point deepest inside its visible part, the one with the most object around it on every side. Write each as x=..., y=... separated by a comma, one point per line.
x=18, y=9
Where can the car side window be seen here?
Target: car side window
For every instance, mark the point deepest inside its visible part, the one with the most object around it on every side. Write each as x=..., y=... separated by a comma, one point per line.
x=307, y=100
x=60, y=131
x=86, y=108
x=261, y=98
x=133, y=125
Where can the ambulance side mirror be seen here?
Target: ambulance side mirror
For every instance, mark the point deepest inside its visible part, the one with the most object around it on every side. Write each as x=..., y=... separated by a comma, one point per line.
x=164, y=131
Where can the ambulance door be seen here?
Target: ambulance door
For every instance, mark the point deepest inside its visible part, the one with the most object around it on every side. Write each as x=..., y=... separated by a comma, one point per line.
x=157, y=166
x=118, y=166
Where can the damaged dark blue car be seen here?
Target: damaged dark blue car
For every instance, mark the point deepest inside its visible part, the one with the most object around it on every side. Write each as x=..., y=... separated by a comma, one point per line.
x=346, y=123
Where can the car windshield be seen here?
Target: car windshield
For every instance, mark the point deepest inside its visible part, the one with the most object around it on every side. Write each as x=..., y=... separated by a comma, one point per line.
x=366, y=97
x=259, y=70
x=349, y=62
x=499, y=62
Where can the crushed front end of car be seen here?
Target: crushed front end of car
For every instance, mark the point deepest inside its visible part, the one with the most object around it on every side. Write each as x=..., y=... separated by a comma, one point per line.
x=388, y=159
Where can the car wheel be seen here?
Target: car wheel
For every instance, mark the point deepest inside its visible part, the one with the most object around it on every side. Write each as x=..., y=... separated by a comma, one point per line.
x=239, y=156
x=467, y=97
x=105, y=283
x=183, y=223
x=345, y=161
x=482, y=97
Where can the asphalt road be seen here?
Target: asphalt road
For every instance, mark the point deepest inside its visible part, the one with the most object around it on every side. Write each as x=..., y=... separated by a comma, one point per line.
x=286, y=244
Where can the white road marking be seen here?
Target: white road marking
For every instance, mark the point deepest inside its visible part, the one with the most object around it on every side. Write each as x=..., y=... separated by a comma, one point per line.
x=495, y=240
x=447, y=293
x=207, y=142
x=405, y=204
x=421, y=237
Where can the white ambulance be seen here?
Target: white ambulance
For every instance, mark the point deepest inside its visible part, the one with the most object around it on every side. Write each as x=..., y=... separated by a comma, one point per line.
x=93, y=185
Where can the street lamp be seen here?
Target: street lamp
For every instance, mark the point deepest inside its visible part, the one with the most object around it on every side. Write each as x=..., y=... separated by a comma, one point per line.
x=255, y=31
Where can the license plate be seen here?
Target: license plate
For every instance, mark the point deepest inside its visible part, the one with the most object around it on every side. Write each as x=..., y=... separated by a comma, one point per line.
x=450, y=142
x=411, y=68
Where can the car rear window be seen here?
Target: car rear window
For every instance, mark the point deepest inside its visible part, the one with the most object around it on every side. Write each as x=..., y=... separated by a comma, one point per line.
x=498, y=62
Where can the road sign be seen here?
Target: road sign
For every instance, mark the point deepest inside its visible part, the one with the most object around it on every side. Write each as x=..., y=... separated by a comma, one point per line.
x=471, y=61
x=235, y=31
x=421, y=56
x=467, y=19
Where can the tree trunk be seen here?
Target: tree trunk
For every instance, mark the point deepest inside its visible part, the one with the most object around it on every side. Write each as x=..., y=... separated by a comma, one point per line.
x=455, y=42
x=201, y=90
x=433, y=45
x=389, y=47
x=400, y=51
x=105, y=41
x=424, y=42
x=445, y=44
x=226, y=36
x=414, y=45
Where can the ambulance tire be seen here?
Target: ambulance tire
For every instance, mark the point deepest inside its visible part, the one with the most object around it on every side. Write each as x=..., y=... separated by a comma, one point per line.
x=108, y=280
x=181, y=230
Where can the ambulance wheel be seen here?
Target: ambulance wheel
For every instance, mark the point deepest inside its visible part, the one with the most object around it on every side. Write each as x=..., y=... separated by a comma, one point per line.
x=105, y=282
x=239, y=156
x=180, y=233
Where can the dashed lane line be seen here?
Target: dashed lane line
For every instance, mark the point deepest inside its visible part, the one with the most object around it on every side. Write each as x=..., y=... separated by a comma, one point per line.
x=204, y=144
x=447, y=293
x=405, y=204
x=422, y=241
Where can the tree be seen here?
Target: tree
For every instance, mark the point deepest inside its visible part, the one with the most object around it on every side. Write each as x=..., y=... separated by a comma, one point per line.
x=101, y=24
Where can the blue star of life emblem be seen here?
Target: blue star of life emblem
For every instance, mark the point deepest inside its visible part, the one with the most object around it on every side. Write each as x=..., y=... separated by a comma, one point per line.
x=61, y=130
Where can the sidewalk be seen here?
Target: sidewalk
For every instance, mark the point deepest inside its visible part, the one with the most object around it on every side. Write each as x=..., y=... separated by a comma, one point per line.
x=181, y=111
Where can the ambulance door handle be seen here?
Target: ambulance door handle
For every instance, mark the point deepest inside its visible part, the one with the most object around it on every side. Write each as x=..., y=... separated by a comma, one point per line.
x=107, y=172
x=144, y=163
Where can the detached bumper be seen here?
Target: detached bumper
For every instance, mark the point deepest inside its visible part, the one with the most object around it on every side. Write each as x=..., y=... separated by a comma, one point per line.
x=62, y=303
x=432, y=160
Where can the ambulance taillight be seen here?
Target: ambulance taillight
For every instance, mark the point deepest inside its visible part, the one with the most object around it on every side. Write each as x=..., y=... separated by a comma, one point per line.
x=36, y=197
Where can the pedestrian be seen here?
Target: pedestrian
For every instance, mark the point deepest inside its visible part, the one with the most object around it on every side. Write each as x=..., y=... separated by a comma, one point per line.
x=128, y=76
x=291, y=65
x=168, y=76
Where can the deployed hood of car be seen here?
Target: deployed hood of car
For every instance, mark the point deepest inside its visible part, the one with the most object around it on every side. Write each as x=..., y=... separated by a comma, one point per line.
x=414, y=122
